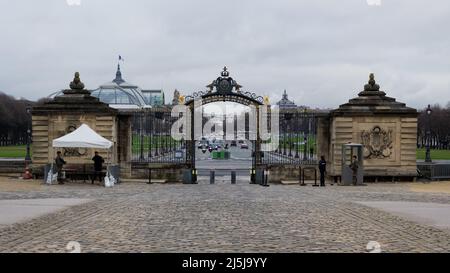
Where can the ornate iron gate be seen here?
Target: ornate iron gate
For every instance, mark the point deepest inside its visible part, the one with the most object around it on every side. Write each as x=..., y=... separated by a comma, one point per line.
x=152, y=141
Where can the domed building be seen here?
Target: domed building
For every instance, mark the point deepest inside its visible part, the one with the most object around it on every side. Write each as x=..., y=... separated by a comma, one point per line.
x=285, y=103
x=122, y=95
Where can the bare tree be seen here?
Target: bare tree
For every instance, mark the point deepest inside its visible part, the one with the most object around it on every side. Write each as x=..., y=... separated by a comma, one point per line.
x=13, y=120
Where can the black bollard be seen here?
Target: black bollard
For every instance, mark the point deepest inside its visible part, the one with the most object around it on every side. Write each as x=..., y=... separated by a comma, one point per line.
x=233, y=177
x=211, y=177
x=194, y=176
x=252, y=176
x=302, y=181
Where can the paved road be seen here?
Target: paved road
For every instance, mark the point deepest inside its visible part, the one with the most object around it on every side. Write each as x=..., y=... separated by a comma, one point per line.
x=14, y=211
x=240, y=161
x=436, y=215
x=137, y=217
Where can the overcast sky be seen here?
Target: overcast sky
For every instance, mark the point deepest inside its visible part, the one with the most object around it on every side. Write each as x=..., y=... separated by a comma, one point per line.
x=321, y=51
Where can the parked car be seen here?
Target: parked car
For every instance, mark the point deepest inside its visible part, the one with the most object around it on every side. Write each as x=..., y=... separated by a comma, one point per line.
x=233, y=143
x=179, y=154
x=244, y=146
x=241, y=141
x=203, y=144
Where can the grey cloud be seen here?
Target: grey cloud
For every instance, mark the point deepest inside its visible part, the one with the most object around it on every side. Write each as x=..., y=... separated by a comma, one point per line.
x=321, y=51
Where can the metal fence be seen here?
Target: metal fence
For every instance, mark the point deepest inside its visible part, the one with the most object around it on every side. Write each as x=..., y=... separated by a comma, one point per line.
x=7, y=141
x=151, y=138
x=434, y=171
x=297, y=139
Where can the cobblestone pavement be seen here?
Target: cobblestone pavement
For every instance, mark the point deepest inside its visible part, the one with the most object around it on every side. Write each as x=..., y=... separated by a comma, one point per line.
x=135, y=217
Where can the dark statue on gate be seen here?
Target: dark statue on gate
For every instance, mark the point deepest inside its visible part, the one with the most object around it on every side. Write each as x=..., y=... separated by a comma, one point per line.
x=224, y=84
x=223, y=88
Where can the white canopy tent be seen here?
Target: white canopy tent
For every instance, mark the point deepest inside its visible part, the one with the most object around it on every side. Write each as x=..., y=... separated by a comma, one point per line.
x=83, y=137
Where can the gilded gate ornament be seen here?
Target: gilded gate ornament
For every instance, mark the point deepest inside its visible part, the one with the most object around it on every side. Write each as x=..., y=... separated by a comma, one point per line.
x=377, y=143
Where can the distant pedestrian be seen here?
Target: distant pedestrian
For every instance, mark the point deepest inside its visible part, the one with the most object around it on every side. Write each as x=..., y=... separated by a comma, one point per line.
x=59, y=161
x=323, y=170
x=98, y=167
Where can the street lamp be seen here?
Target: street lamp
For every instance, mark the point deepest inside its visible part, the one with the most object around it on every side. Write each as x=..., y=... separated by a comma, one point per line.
x=305, y=140
x=428, y=134
x=28, y=156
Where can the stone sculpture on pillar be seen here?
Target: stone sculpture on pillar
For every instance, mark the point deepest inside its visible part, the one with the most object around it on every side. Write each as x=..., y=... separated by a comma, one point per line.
x=76, y=84
x=372, y=85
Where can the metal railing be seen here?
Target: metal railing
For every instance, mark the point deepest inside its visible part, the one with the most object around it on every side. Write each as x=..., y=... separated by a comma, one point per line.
x=434, y=171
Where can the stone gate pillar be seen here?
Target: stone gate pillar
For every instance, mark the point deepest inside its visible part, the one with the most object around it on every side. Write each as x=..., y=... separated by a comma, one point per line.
x=63, y=115
x=386, y=128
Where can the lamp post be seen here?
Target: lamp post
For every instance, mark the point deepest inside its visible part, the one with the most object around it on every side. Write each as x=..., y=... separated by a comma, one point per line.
x=428, y=134
x=305, y=140
x=28, y=156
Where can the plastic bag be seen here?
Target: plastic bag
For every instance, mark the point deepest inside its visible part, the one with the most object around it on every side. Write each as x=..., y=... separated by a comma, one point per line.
x=108, y=182
x=51, y=178
x=112, y=179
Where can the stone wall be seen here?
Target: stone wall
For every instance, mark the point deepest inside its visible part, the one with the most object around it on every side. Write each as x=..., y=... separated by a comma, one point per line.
x=399, y=159
x=170, y=174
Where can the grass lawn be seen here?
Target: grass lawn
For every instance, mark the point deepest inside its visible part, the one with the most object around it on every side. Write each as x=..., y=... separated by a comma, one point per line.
x=13, y=151
x=435, y=154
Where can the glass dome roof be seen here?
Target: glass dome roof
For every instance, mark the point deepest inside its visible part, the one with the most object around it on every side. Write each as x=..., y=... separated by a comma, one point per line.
x=120, y=94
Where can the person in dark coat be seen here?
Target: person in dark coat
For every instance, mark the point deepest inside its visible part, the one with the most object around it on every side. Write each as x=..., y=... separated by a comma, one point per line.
x=354, y=166
x=59, y=162
x=98, y=166
x=322, y=169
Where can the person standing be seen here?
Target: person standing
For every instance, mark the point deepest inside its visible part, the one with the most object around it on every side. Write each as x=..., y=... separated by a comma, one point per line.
x=98, y=166
x=322, y=169
x=59, y=161
x=354, y=166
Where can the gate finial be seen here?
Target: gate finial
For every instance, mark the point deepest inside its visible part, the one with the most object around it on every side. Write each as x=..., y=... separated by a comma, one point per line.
x=225, y=72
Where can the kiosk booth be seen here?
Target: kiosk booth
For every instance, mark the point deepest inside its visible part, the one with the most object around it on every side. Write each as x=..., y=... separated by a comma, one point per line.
x=352, y=164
